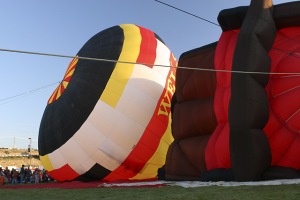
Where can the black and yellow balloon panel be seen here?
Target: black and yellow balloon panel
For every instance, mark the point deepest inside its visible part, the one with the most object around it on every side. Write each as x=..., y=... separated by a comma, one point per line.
x=111, y=120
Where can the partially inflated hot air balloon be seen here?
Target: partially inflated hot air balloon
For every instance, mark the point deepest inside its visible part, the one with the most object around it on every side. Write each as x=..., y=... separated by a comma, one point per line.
x=111, y=120
x=240, y=126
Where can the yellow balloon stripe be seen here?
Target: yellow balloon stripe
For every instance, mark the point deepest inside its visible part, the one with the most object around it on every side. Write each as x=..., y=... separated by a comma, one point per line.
x=119, y=78
x=46, y=163
x=70, y=70
x=65, y=84
x=53, y=96
x=158, y=158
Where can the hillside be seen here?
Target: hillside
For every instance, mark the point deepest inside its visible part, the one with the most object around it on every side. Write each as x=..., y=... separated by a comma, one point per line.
x=19, y=157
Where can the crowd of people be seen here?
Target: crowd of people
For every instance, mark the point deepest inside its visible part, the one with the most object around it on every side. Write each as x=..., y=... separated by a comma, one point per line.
x=24, y=175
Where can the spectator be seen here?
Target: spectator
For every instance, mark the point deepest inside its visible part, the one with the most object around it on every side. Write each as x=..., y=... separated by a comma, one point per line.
x=28, y=175
x=15, y=175
x=36, y=176
x=40, y=176
x=2, y=175
x=22, y=174
x=6, y=170
x=8, y=175
x=1, y=172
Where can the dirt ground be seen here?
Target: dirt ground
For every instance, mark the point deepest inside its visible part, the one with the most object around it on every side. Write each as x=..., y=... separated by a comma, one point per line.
x=19, y=157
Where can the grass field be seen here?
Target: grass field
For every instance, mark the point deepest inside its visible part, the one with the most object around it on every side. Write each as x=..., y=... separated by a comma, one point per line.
x=281, y=192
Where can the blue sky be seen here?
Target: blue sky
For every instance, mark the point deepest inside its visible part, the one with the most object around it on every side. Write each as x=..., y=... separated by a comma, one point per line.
x=62, y=27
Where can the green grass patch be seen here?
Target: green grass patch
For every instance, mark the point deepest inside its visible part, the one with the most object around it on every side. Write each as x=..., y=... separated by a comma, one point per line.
x=162, y=193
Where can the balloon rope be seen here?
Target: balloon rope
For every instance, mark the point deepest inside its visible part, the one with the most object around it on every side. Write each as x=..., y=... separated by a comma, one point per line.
x=14, y=97
x=157, y=65
x=187, y=13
